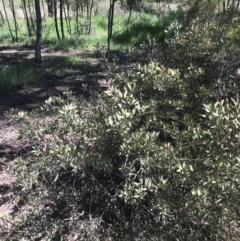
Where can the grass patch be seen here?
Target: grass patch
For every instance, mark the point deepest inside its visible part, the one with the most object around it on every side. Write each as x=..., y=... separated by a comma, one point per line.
x=28, y=73
x=141, y=26
x=63, y=64
x=147, y=26
x=17, y=76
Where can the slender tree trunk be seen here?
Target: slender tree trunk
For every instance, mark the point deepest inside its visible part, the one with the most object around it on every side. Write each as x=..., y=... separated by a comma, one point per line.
x=55, y=18
x=43, y=11
x=50, y=8
x=66, y=18
x=2, y=18
x=90, y=18
x=237, y=5
x=110, y=25
x=30, y=15
x=61, y=18
x=9, y=27
x=26, y=17
x=77, y=16
x=87, y=22
x=81, y=6
x=69, y=19
x=38, y=57
x=12, y=7
x=130, y=14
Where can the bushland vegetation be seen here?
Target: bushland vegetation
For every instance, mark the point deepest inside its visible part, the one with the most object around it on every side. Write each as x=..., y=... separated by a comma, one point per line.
x=155, y=156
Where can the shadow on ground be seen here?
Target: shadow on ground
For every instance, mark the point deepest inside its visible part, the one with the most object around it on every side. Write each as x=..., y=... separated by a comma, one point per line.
x=144, y=29
x=26, y=85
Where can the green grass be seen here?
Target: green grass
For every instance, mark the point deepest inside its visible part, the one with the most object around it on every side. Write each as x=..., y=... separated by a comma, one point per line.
x=17, y=76
x=147, y=26
x=61, y=65
x=28, y=73
x=141, y=27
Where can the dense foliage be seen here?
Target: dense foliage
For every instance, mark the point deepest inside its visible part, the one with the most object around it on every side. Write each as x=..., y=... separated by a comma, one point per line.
x=155, y=157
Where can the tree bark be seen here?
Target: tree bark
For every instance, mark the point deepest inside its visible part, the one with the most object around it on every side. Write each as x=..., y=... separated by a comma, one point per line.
x=2, y=18
x=26, y=17
x=237, y=5
x=66, y=18
x=38, y=57
x=31, y=15
x=12, y=7
x=110, y=25
x=61, y=18
x=50, y=8
x=90, y=18
x=69, y=19
x=9, y=27
x=77, y=16
x=55, y=18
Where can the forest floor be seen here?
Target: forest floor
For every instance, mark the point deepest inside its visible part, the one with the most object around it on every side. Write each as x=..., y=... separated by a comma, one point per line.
x=51, y=83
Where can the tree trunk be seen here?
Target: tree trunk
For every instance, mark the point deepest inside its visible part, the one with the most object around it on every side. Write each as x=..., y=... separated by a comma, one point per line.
x=61, y=18
x=2, y=18
x=30, y=15
x=77, y=11
x=90, y=18
x=26, y=17
x=38, y=57
x=50, y=8
x=12, y=7
x=87, y=22
x=66, y=18
x=55, y=18
x=9, y=27
x=69, y=19
x=237, y=5
x=43, y=11
x=110, y=26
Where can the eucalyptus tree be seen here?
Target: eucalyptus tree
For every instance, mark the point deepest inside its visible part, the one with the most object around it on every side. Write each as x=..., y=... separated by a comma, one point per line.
x=1, y=16
x=66, y=10
x=50, y=7
x=110, y=24
x=31, y=14
x=130, y=4
x=61, y=18
x=25, y=12
x=12, y=7
x=55, y=18
x=38, y=32
x=6, y=16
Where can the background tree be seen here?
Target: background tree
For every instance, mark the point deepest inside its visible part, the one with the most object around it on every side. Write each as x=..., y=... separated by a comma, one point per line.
x=6, y=16
x=61, y=17
x=50, y=7
x=38, y=32
x=55, y=18
x=25, y=12
x=2, y=18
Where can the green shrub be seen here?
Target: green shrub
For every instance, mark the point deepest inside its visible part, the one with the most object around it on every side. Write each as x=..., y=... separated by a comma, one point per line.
x=139, y=165
x=155, y=157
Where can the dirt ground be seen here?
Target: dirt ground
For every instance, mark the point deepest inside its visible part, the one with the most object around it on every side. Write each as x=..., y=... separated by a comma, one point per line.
x=27, y=99
x=32, y=97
